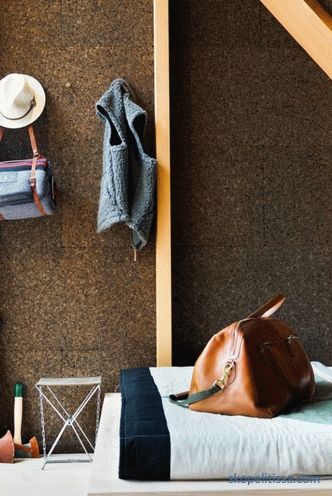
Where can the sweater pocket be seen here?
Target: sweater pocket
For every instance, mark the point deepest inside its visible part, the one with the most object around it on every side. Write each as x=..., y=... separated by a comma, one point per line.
x=113, y=202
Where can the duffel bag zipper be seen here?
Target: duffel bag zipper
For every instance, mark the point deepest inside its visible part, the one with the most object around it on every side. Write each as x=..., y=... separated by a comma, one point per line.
x=233, y=354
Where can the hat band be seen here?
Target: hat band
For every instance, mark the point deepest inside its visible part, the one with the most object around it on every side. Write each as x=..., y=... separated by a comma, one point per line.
x=32, y=104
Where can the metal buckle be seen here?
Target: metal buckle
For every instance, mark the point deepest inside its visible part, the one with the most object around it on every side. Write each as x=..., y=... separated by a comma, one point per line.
x=291, y=337
x=221, y=383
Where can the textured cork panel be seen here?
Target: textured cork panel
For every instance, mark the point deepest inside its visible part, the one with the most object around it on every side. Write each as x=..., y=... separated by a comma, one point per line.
x=29, y=305
x=220, y=101
x=73, y=301
x=231, y=180
x=252, y=96
x=36, y=22
x=295, y=107
x=251, y=181
x=96, y=297
x=218, y=23
x=297, y=196
x=106, y=23
x=327, y=4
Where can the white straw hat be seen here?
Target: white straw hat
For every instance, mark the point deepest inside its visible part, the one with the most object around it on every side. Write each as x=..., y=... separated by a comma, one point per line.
x=22, y=100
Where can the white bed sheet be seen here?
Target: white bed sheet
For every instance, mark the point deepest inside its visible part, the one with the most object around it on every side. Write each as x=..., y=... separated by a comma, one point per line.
x=104, y=480
x=209, y=446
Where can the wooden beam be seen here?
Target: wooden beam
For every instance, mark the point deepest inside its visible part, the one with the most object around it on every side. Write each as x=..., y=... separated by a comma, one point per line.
x=309, y=24
x=163, y=243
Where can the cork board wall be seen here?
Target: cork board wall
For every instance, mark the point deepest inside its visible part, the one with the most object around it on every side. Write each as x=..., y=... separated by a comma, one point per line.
x=73, y=302
x=251, y=175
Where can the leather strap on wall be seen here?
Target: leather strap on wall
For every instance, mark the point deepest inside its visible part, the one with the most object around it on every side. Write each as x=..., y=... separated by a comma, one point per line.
x=33, y=141
x=33, y=181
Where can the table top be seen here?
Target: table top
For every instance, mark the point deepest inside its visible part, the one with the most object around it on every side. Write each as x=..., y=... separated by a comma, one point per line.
x=69, y=381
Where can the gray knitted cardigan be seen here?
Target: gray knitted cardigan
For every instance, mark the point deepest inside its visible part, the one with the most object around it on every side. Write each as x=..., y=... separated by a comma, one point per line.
x=127, y=192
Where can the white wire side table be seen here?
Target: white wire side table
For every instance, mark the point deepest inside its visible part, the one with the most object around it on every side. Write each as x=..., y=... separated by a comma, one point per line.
x=70, y=420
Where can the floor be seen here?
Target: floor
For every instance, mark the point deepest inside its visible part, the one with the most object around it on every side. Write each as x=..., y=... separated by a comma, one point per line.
x=26, y=477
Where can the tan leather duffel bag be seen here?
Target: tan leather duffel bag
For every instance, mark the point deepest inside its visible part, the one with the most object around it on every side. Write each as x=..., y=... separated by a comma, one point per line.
x=255, y=367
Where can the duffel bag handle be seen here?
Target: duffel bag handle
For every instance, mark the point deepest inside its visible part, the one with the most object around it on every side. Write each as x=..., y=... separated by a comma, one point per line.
x=269, y=307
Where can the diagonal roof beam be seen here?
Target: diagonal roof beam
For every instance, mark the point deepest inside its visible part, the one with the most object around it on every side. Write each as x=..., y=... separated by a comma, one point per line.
x=309, y=24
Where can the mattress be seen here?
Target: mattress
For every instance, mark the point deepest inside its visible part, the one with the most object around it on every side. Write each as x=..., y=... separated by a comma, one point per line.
x=162, y=441
x=104, y=479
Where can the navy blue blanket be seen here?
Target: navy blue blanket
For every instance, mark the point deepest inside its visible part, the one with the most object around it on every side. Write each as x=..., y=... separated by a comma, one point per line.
x=144, y=436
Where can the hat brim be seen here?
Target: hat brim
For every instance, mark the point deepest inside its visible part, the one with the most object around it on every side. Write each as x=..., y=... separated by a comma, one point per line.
x=35, y=112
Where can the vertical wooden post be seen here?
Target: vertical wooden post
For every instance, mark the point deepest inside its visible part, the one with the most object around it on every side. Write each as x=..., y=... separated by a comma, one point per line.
x=163, y=245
